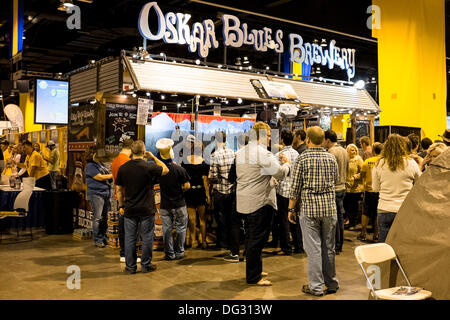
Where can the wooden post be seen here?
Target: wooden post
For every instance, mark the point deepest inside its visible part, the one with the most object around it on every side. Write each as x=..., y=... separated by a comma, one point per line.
x=353, y=118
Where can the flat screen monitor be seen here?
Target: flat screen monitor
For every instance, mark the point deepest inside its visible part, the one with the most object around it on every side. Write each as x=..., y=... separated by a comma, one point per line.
x=51, y=101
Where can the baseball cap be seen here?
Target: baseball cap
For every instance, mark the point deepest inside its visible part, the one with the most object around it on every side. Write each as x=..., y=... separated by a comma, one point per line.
x=446, y=136
x=190, y=138
x=50, y=143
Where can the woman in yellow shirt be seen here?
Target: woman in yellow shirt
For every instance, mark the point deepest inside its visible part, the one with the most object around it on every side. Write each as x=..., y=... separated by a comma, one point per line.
x=36, y=167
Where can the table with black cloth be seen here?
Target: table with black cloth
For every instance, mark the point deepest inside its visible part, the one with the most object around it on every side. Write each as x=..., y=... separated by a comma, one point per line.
x=36, y=210
x=50, y=209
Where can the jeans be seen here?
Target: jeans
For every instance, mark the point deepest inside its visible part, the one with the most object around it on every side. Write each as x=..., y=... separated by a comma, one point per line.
x=340, y=195
x=100, y=206
x=223, y=205
x=238, y=232
x=258, y=227
x=174, y=217
x=281, y=223
x=385, y=220
x=121, y=235
x=53, y=177
x=147, y=234
x=318, y=238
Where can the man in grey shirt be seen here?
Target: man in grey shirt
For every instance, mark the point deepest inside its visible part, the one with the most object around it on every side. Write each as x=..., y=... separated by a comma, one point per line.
x=256, y=171
x=341, y=156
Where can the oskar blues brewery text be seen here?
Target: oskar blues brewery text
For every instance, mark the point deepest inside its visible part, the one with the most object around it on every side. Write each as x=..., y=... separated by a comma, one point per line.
x=173, y=28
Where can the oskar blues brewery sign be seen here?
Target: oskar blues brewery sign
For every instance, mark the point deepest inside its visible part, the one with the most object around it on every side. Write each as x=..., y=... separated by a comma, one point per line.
x=174, y=28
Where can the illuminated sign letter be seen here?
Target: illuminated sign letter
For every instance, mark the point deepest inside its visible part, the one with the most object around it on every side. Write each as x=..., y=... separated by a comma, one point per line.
x=232, y=34
x=210, y=34
x=279, y=40
x=296, y=42
x=183, y=29
x=171, y=35
x=143, y=24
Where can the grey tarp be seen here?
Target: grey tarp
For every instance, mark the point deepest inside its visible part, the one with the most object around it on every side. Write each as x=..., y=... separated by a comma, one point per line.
x=420, y=234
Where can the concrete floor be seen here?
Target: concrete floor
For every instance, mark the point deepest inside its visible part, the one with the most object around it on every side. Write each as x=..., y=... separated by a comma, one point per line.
x=37, y=270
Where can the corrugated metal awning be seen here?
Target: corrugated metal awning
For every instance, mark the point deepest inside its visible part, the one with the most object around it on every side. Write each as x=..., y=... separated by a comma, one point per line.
x=180, y=78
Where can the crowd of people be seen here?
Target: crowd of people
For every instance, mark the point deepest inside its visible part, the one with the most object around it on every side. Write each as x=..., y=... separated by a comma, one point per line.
x=305, y=194
x=26, y=159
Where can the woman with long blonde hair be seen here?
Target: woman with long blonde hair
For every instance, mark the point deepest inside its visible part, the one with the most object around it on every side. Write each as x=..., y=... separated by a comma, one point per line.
x=393, y=177
x=354, y=186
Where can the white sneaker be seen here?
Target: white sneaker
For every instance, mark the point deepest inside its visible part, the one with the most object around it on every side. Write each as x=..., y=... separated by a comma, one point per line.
x=122, y=259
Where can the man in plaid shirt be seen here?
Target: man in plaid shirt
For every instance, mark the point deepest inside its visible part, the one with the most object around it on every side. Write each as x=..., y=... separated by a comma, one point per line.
x=280, y=223
x=313, y=180
x=224, y=190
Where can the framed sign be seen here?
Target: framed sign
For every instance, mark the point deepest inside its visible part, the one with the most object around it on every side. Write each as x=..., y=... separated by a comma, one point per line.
x=43, y=137
x=34, y=137
x=54, y=136
x=120, y=123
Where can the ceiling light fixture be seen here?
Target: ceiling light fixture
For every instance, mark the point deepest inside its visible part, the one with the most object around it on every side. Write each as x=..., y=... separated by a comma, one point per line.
x=62, y=7
x=68, y=3
x=197, y=62
x=360, y=84
x=239, y=101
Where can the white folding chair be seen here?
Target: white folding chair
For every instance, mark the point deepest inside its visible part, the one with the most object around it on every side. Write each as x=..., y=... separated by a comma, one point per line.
x=378, y=253
x=21, y=207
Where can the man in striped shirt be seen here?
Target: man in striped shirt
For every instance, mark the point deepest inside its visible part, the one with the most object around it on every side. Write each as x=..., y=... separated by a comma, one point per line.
x=224, y=190
x=313, y=179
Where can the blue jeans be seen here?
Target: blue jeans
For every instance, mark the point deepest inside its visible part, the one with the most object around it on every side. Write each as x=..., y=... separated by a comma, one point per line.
x=100, y=206
x=121, y=235
x=318, y=241
x=385, y=220
x=147, y=235
x=340, y=195
x=177, y=218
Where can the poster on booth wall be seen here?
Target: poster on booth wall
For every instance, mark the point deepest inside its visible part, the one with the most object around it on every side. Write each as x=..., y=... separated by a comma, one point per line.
x=54, y=136
x=120, y=125
x=144, y=112
x=81, y=127
x=43, y=137
x=34, y=137
x=76, y=174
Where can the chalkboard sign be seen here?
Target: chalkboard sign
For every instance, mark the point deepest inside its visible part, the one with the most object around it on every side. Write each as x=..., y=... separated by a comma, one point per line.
x=120, y=123
x=81, y=123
